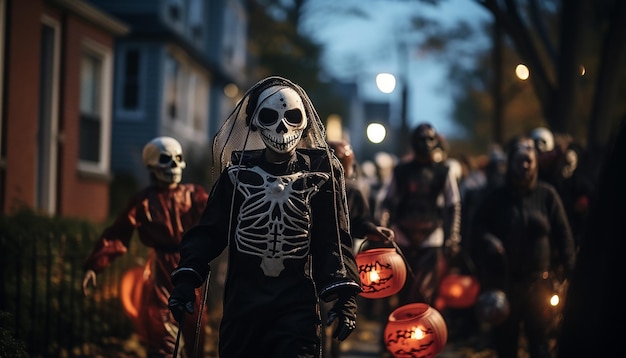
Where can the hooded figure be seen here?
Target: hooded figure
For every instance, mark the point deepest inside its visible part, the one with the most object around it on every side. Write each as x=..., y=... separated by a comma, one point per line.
x=279, y=206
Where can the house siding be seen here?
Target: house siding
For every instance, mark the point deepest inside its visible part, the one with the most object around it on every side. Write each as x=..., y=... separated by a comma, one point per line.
x=76, y=194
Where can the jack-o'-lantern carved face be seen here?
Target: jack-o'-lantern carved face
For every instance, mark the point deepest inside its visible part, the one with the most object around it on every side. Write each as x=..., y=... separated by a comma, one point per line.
x=382, y=271
x=415, y=330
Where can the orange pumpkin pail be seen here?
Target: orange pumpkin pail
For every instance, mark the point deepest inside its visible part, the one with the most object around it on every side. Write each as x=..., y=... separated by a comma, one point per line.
x=382, y=270
x=415, y=330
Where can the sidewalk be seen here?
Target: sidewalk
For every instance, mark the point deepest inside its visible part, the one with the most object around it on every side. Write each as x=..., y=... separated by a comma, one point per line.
x=365, y=341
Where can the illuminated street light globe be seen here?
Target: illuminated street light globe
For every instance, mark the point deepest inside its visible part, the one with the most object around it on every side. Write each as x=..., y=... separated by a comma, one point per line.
x=522, y=72
x=386, y=82
x=376, y=132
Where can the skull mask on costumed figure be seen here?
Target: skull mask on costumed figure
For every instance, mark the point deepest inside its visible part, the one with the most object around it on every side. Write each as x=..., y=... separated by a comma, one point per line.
x=280, y=118
x=163, y=156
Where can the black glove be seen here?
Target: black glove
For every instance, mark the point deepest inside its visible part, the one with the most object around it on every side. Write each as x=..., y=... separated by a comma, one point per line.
x=182, y=299
x=344, y=310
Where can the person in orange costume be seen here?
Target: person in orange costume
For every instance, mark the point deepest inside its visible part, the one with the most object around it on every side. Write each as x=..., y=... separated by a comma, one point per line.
x=160, y=213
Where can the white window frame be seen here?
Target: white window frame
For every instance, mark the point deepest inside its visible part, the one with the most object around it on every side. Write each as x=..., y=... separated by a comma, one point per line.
x=49, y=194
x=102, y=166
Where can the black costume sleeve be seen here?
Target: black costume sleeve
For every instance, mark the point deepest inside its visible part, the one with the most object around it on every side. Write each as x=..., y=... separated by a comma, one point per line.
x=561, y=234
x=334, y=266
x=361, y=221
x=206, y=240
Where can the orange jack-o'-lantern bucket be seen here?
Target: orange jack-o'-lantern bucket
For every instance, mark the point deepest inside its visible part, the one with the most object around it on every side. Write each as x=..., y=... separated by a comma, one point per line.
x=382, y=270
x=415, y=330
x=131, y=289
x=458, y=290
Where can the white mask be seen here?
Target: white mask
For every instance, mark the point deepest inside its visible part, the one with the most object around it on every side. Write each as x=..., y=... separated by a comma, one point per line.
x=163, y=156
x=544, y=139
x=280, y=118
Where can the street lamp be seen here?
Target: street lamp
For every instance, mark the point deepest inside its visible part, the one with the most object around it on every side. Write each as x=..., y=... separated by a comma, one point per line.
x=376, y=133
x=522, y=72
x=386, y=82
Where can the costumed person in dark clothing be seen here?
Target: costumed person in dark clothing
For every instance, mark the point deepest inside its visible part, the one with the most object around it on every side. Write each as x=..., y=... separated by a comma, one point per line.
x=361, y=221
x=362, y=224
x=522, y=245
x=576, y=190
x=160, y=214
x=423, y=207
x=560, y=161
x=279, y=206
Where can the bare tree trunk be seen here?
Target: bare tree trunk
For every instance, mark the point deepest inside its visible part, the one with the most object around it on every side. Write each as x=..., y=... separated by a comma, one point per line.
x=568, y=65
x=604, y=121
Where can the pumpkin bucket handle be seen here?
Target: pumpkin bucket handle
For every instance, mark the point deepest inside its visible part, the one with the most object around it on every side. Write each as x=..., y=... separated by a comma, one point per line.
x=393, y=244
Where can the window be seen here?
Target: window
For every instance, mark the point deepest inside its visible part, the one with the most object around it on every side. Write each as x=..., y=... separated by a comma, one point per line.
x=172, y=88
x=95, y=102
x=48, y=115
x=234, y=45
x=174, y=11
x=130, y=89
x=196, y=19
x=198, y=86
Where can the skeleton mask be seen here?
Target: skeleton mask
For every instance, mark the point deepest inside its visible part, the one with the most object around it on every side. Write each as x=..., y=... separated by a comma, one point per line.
x=163, y=156
x=280, y=118
x=543, y=138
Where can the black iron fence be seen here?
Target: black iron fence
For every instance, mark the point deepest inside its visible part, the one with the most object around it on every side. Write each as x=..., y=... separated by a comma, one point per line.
x=43, y=312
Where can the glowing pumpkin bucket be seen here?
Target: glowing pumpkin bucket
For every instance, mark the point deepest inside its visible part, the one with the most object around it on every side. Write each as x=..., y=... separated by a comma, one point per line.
x=131, y=290
x=458, y=291
x=415, y=330
x=382, y=271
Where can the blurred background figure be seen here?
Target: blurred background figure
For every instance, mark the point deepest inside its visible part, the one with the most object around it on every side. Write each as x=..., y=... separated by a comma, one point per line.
x=160, y=214
x=385, y=163
x=561, y=167
x=523, y=245
x=423, y=207
x=370, y=182
x=473, y=176
x=361, y=221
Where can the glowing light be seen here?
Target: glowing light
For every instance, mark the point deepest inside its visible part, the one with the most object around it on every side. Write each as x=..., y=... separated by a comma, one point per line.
x=376, y=132
x=333, y=127
x=131, y=287
x=374, y=276
x=522, y=72
x=456, y=291
x=386, y=82
x=417, y=333
x=582, y=70
x=231, y=90
x=554, y=300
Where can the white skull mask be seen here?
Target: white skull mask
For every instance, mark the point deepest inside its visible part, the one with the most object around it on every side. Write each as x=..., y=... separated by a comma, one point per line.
x=544, y=139
x=280, y=118
x=163, y=156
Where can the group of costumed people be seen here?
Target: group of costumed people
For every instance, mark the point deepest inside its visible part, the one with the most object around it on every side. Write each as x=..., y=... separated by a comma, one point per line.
x=286, y=210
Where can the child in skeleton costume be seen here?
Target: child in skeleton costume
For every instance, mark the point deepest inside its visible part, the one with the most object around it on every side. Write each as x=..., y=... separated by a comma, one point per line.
x=160, y=214
x=279, y=206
